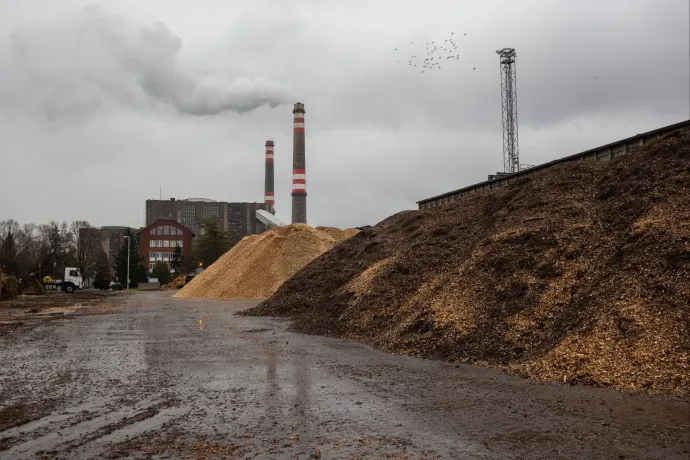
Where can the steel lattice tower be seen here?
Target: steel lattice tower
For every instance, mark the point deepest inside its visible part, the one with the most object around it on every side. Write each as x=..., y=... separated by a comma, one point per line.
x=511, y=154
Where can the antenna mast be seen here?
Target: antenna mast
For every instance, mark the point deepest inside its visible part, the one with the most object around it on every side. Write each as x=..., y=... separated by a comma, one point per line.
x=511, y=154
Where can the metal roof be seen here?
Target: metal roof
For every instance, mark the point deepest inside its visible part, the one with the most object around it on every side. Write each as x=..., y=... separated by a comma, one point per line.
x=668, y=128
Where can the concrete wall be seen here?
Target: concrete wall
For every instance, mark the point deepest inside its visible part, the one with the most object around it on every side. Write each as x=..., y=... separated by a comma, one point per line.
x=149, y=286
x=603, y=153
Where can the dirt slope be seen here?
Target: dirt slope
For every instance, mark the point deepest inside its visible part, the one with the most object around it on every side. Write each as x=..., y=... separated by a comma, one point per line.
x=580, y=273
x=257, y=266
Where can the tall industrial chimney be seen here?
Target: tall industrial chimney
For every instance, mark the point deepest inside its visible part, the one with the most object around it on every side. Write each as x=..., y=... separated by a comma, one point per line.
x=269, y=195
x=299, y=178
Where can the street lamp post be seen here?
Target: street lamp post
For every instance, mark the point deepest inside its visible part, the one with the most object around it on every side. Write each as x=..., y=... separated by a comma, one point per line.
x=128, y=240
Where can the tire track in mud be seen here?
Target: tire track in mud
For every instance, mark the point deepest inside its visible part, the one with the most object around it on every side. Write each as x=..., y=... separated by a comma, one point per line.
x=66, y=438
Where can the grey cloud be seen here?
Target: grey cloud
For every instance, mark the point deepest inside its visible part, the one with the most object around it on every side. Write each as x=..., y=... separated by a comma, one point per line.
x=379, y=135
x=98, y=59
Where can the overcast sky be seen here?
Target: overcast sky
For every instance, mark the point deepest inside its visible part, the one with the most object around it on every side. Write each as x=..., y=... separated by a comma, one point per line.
x=102, y=103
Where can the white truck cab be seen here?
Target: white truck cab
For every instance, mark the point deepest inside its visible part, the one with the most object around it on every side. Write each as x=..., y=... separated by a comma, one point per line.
x=71, y=281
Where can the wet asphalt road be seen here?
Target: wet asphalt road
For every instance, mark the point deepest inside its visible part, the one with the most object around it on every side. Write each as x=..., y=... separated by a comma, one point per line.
x=175, y=378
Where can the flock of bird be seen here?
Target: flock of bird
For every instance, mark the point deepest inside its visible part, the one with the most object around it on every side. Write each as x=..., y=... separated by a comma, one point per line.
x=436, y=55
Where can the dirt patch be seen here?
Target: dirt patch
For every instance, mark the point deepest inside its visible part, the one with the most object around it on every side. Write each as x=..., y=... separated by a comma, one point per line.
x=578, y=273
x=57, y=299
x=19, y=414
x=257, y=266
x=166, y=446
x=27, y=311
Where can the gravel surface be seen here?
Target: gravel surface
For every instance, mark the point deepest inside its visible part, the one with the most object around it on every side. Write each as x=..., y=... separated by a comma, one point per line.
x=160, y=377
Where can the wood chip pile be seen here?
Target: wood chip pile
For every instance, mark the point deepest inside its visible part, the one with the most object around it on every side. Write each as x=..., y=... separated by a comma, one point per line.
x=579, y=273
x=257, y=266
x=177, y=283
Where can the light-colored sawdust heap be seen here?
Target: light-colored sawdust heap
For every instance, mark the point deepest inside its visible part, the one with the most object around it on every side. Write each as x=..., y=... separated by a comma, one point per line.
x=259, y=264
x=337, y=234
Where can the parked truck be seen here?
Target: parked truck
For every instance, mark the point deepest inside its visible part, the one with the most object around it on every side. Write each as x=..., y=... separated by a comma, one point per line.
x=70, y=282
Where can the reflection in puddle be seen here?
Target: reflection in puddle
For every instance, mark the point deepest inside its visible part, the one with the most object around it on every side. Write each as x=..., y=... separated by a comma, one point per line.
x=201, y=324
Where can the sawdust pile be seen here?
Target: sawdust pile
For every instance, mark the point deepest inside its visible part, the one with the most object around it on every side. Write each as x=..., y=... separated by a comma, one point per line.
x=579, y=273
x=337, y=234
x=177, y=283
x=257, y=266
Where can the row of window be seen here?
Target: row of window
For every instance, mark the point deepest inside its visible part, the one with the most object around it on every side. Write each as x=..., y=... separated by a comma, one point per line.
x=165, y=243
x=189, y=217
x=152, y=266
x=166, y=230
x=156, y=256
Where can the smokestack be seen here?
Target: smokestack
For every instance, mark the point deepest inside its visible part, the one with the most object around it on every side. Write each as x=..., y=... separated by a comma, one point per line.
x=269, y=195
x=299, y=178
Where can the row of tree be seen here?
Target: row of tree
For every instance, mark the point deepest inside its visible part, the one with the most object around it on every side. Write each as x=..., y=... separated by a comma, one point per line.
x=46, y=249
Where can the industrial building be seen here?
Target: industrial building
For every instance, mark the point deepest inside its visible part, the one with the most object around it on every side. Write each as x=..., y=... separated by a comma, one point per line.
x=603, y=153
x=111, y=238
x=158, y=241
x=237, y=218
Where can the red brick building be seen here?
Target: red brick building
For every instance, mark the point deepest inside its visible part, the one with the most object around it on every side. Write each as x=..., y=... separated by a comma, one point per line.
x=158, y=241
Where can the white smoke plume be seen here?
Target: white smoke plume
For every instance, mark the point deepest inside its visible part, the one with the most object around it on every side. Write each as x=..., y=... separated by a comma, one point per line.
x=96, y=59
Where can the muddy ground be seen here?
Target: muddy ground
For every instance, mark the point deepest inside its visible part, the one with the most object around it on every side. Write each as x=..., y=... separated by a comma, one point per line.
x=27, y=311
x=148, y=376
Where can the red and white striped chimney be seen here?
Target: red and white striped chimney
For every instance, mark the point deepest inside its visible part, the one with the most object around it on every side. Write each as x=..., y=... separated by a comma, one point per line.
x=269, y=193
x=299, y=177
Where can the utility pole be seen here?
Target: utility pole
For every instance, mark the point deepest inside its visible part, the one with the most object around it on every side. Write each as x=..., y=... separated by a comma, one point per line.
x=511, y=155
x=128, y=240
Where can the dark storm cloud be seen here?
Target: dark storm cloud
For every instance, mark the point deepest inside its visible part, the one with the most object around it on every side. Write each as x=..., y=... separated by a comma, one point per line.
x=74, y=68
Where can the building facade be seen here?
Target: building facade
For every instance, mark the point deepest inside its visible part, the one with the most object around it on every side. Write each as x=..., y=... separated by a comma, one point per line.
x=159, y=240
x=242, y=219
x=112, y=239
x=237, y=218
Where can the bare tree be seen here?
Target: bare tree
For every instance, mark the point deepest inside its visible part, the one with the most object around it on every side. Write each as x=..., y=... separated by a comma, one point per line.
x=9, y=252
x=29, y=248
x=86, y=245
x=7, y=227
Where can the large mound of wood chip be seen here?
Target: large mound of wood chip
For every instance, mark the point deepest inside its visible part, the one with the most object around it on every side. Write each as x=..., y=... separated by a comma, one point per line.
x=579, y=273
x=257, y=266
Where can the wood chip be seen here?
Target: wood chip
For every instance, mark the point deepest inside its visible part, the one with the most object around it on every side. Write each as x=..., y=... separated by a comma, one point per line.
x=579, y=273
x=259, y=264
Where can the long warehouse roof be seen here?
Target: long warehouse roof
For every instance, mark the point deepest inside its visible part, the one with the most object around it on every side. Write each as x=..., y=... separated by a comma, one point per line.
x=668, y=128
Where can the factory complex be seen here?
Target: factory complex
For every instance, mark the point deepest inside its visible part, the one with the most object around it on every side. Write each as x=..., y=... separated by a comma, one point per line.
x=533, y=311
